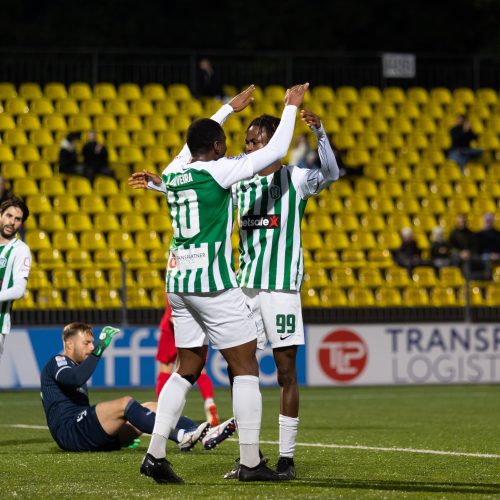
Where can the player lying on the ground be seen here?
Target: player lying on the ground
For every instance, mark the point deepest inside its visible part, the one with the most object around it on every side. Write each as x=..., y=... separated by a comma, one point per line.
x=75, y=425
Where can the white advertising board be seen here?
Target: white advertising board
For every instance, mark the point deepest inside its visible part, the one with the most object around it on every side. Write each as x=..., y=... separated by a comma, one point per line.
x=403, y=354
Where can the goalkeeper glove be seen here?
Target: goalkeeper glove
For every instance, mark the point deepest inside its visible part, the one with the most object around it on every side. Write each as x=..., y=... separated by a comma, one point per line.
x=105, y=337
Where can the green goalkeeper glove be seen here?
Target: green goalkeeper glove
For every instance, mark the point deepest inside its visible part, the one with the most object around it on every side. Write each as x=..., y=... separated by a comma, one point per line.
x=105, y=337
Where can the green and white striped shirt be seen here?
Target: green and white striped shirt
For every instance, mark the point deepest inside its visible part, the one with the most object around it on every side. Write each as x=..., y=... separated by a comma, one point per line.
x=201, y=211
x=270, y=211
x=15, y=265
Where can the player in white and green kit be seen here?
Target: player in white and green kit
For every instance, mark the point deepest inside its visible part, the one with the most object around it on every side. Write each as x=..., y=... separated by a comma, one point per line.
x=15, y=261
x=202, y=287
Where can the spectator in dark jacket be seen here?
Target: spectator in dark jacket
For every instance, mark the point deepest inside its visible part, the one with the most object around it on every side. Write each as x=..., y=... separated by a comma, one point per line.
x=461, y=137
x=488, y=239
x=207, y=81
x=68, y=156
x=408, y=254
x=95, y=157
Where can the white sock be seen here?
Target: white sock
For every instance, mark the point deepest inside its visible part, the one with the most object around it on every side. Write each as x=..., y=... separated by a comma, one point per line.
x=208, y=402
x=170, y=405
x=288, y=435
x=247, y=410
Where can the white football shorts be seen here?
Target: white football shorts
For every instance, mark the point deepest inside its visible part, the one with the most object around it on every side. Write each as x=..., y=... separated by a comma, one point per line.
x=280, y=314
x=224, y=318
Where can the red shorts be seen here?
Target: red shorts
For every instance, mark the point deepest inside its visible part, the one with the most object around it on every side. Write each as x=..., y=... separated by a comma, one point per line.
x=166, y=352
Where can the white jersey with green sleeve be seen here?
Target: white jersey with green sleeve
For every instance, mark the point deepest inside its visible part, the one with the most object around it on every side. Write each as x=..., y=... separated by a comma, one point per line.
x=201, y=212
x=270, y=211
x=15, y=265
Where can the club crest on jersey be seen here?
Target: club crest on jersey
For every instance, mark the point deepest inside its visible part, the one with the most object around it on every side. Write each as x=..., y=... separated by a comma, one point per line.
x=275, y=192
x=3, y=262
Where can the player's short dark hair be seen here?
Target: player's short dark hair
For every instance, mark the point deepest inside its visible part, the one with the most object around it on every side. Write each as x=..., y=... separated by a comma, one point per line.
x=71, y=329
x=266, y=123
x=202, y=134
x=15, y=202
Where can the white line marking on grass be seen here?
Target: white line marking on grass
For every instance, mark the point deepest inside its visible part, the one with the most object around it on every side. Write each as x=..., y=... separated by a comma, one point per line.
x=401, y=450
x=340, y=446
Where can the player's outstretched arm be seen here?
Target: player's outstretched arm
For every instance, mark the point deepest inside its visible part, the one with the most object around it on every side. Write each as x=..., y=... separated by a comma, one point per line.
x=243, y=99
x=145, y=180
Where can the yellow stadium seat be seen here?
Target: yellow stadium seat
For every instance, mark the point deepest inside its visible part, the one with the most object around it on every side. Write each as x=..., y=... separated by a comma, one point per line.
x=92, y=240
x=484, y=204
x=338, y=110
x=28, y=122
x=154, y=92
x=49, y=298
x=353, y=258
x=370, y=277
x=410, y=110
x=192, y=109
x=166, y=109
x=418, y=95
x=79, y=222
x=326, y=258
x=464, y=95
x=375, y=171
x=93, y=278
x=332, y=297
x=487, y=96
x=13, y=170
x=42, y=107
x=64, y=204
x=343, y=277
x=79, y=186
x=149, y=278
x=108, y=298
x=138, y=298
x=347, y=221
x=155, y=123
x=311, y=240
x=158, y=297
x=106, y=258
x=41, y=138
x=336, y=240
x=37, y=240
x=54, y=123
x=65, y=240
x=79, y=298
x=105, y=123
x=493, y=295
x=441, y=95
x=67, y=107
x=360, y=297
x=143, y=138
x=179, y=92
x=384, y=156
x=16, y=106
x=118, y=138
x=394, y=95
x=119, y=204
x=52, y=186
x=105, y=222
x=451, y=276
x=397, y=277
x=92, y=107
x=25, y=187
x=7, y=91
x=146, y=205
x=415, y=297
x=30, y=91
x=64, y=279
x=80, y=123
x=50, y=222
x=424, y=172
x=105, y=186
x=323, y=94
x=382, y=204
x=39, y=204
x=130, y=122
x=48, y=258
x=424, y=276
x=443, y=297
x=135, y=258
x=78, y=259
x=117, y=107
x=457, y=204
x=371, y=95
x=120, y=240
x=320, y=222
x=27, y=153
x=104, y=91
x=363, y=240
x=388, y=297
x=357, y=204
x=92, y=204
x=38, y=279
x=157, y=154
x=347, y=94
x=129, y=91
x=6, y=122
x=55, y=90
x=134, y=222
x=159, y=222
x=315, y=277
x=80, y=91
x=371, y=221
x=408, y=205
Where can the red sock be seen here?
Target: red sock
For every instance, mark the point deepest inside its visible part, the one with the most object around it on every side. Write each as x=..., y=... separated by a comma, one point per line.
x=161, y=381
x=206, y=386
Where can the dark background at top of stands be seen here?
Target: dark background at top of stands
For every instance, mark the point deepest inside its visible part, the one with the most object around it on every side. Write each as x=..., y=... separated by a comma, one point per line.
x=458, y=27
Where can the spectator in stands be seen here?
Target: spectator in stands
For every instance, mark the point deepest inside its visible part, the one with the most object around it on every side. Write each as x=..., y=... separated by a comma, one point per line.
x=488, y=240
x=461, y=137
x=408, y=254
x=5, y=193
x=207, y=81
x=463, y=240
x=441, y=254
x=68, y=156
x=95, y=157
x=344, y=170
x=311, y=160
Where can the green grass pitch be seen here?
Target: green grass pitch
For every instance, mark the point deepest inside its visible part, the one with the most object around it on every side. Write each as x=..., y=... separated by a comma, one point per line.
x=375, y=442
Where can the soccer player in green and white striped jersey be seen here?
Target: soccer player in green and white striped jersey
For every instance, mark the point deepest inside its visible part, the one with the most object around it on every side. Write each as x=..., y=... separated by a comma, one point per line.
x=202, y=287
x=15, y=261
x=270, y=210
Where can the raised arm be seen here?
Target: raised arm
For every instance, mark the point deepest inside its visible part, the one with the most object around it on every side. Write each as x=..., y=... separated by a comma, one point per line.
x=328, y=172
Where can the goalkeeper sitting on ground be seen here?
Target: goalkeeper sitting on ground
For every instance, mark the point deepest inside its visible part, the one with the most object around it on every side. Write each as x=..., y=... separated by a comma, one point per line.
x=75, y=425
